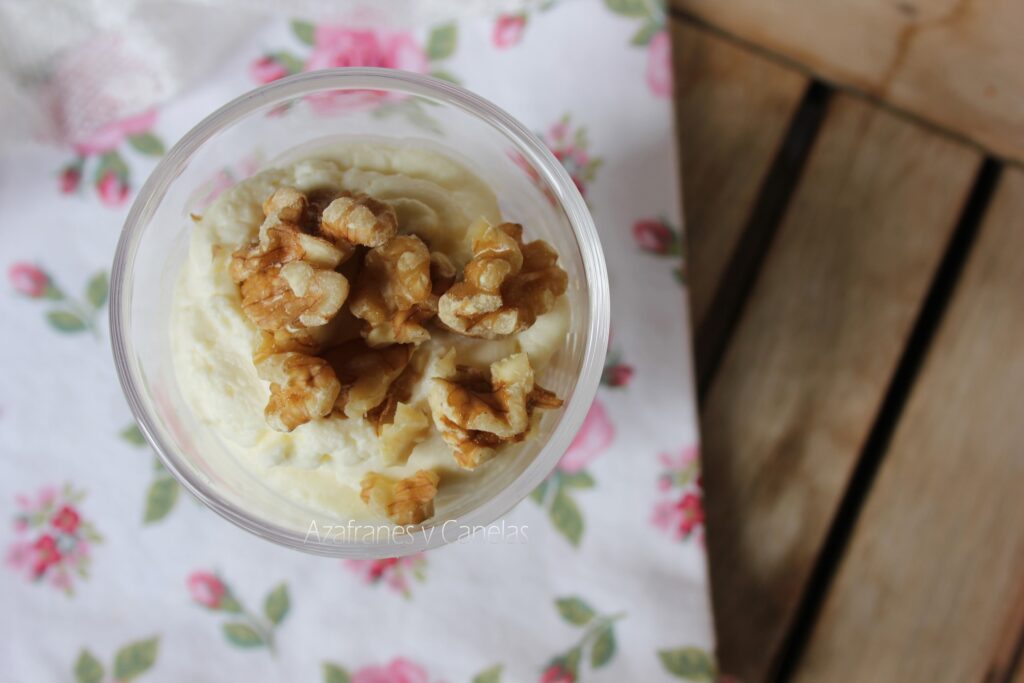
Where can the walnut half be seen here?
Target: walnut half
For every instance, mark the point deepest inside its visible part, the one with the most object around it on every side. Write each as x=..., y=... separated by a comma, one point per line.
x=404, y=501
x=393, y=292
x=302, y=388
x=476, y=412
x=505, y=286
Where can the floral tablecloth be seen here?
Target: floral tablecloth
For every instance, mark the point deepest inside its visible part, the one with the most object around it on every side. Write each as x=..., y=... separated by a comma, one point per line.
x=111, y=573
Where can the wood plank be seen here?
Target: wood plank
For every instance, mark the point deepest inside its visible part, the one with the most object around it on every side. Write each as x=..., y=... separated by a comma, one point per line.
x=955, y=63
x=809, y=362
x=934, y=575
x=725, y=149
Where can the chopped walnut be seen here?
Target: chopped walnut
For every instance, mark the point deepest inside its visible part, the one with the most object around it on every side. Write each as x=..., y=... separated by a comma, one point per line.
x=475, y=413
x=393, y=292
x=280, y=245
x=404, y=501
x=293, y=296
x=409, y=427
x=359, y=219
x=286, y=204
x=302, y=388
x=365, y=374
x=505, y=286
x=400, y=391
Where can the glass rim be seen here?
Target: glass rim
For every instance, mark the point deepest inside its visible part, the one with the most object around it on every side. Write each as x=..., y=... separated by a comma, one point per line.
x=365, y=78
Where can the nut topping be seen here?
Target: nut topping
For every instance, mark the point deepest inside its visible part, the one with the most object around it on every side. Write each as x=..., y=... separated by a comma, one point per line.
x=359, y=219
x=404, y=501
x=302, y=388
x=393, y=292
x=365, y=374
x=475, y=413
x=505, y=286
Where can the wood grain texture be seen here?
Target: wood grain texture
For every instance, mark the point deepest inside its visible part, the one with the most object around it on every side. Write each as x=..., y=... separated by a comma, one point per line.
x=809, y=362
x=953, y=62
x=732, y=109
x=932, y=585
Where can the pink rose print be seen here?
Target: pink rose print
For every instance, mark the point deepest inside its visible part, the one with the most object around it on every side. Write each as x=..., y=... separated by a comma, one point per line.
x=68, y=314
x=336, y=46
x=571, y=148
x=680, y=513
x=659, y=64
x=616, y=374
x=53, y=542
x=28, y=280
x=557, y=673
x=555, y=494
x=112, y=190
x=397, y=671
x=393, y=572
x=111, y=175
x=110, y=136
x=267, y=69
x=244, y=629
x=508, y=30
x=593, y=438
x=658, y=237
x=70, y=178
x=206, y=589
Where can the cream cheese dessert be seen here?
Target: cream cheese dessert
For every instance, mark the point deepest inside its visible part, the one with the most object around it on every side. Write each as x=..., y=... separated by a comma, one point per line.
x=360, y=326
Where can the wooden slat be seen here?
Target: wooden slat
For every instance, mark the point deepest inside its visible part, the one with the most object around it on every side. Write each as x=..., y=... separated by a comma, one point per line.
x=953, y=62
x=933, y=582
x=732, y=109
x=809, y=362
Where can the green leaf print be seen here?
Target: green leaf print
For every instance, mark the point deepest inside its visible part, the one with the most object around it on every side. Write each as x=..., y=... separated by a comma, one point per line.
x=537, y=494
x=88, y=669
x=242, y=635
x=689, y=663
x=160, y=499
x=135, y=659
x=646, y=33
x=289, y=61
x=133, y=435
x=335, y=674
x=566, y=517
x=578, y=480
x=491, y=675
x=575, y=611
x=445, y=76
x=112, y=161
x=277, y=604
x=147, y=143
x=65, y=321
x=628, y=8
x=442, y=40
x=96, y=290
x=604, y=647
x=304, y=31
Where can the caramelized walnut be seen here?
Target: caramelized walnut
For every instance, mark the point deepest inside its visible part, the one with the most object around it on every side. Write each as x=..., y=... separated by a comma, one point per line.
x=505, y=286
x=400, y=391
x=404, y=501
x=365, y=374
x=359, y=219
x=302, y=388
x=393, y=292
x=476, y=412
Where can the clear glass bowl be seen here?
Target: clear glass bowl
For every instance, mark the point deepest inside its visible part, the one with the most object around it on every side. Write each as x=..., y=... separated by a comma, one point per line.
x=270, y=123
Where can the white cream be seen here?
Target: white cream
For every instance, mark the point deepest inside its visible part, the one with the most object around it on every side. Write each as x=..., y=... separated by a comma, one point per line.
x=320, y=464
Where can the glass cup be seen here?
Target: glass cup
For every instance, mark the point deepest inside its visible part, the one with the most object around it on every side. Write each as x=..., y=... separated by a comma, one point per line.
x=276, y=122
